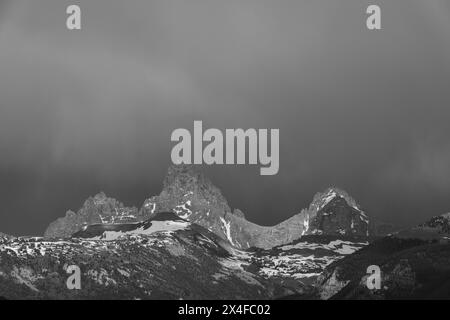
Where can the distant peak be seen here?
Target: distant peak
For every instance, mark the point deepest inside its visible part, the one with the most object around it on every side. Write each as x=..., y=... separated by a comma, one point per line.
x=188, y=180
x=101, y=199
x=321, y=199
x=336, y=192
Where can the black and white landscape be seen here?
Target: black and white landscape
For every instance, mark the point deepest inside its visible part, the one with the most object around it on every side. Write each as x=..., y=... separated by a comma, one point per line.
x=224, y=149
x=187, y=243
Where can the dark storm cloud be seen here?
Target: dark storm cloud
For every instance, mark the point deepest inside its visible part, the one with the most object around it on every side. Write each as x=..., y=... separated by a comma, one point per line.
x=93, y=110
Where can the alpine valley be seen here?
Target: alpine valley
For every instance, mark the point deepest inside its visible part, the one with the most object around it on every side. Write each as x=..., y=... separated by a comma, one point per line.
x=188, y=243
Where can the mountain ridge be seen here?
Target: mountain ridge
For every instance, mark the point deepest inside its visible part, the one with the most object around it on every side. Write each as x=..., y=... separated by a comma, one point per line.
x=187, y=242
x=192, y=196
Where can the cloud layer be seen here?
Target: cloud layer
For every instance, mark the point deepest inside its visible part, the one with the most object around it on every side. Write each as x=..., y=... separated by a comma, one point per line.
x=92, y=110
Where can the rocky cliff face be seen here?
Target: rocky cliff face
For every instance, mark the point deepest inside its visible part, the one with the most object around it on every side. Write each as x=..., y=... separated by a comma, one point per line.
x=192, y=196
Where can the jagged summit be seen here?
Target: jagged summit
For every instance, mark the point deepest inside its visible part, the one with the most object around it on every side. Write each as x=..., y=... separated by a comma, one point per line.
x=320, y=199
x=188, y=181
x=335, y=212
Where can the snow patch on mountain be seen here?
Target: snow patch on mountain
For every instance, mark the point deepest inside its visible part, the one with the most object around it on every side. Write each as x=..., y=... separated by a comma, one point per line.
x=303, y=259
x=156, y=226
x=149, y=205
x=338, y=246
x=183, y=210
x=328, y=197
x=305, y=225
x=227, y=229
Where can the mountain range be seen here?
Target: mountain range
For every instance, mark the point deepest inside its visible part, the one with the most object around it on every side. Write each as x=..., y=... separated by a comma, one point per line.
x=192, y=196
x=187, y=243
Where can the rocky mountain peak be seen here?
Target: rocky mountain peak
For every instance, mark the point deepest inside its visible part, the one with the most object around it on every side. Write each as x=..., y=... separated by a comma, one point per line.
x=102, y=204
x=321, y=199
x=334, y=211
x=97, y=209
x=192, y=196
x=188, y=182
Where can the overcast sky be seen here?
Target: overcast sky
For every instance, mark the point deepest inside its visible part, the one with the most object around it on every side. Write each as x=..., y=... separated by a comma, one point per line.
x=92, y=110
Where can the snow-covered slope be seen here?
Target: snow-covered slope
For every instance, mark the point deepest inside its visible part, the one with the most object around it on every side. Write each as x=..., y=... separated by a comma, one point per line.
x=306, y=258
x=162, y=222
